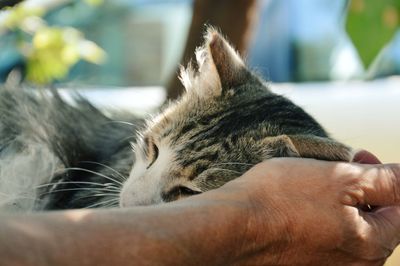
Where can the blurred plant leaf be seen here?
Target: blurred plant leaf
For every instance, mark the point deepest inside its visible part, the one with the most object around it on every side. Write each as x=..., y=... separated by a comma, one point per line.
x=45, y=67
x=55, y=50
x=19, y=13
x=91, y=52
x=50, y=51
x=94, y=2
x=371, y=24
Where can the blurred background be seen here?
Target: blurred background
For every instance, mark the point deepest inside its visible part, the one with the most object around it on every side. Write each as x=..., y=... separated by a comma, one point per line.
x=141, y=42
x=340, y=60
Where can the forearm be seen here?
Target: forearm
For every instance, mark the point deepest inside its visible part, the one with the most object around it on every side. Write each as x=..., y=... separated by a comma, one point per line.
x=208, y=229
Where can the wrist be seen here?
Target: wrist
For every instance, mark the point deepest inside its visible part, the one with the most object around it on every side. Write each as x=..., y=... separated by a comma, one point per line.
x=268, y=235
x=219, y=222
x=251, y=229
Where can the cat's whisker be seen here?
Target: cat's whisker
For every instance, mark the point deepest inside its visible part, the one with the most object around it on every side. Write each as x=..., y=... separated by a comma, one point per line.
x=116, y=200
x=111, y=205
x=103, y=195
x=108, y=185
x=122, y=122
x=95, y=173
x=83, y=189
x=78, y=189
x=128, y=138
x=102, y=203
x=114, y=195
x=123, y=178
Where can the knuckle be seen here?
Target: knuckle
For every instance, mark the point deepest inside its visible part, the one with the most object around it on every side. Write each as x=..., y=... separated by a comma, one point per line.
x=349, y=175
x=359, y=187
x=362, y=241
x=353, y=196
x=361, y=236
x=369, y=249
x=393, y=175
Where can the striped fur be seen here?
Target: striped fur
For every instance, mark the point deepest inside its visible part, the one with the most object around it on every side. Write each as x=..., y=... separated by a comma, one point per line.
x=227, y=121
x=55, y=155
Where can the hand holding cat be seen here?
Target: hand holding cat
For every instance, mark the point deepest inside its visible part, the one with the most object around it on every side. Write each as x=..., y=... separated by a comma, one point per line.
x=308, y=212
x=281, y=212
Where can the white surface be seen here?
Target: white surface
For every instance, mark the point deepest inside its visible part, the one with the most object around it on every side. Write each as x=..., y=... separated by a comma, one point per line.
x=141, y=99
x=360, y=114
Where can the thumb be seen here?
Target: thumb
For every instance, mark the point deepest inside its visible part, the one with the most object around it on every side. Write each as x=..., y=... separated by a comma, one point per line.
x=376, y=185
x=387, y=221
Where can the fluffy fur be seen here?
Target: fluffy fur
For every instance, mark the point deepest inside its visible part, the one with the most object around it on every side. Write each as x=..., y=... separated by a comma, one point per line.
x=54, y=155
x=62, y=156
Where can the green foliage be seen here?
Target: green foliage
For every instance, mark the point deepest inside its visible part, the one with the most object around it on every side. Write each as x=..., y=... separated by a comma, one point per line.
x=50, y=51
x=94, y=2
x=20, y=13
x=371, y=24
x=55, y=50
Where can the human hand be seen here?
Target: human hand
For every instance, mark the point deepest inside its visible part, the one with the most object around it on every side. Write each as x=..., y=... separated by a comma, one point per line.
x=307, y=212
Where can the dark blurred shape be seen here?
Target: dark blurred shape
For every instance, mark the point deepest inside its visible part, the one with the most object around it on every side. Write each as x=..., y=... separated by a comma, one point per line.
x=304, y=40
x=9, y=3
x=234, y=18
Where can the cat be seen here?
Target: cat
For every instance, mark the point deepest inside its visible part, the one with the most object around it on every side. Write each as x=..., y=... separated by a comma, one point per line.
x=74, y=156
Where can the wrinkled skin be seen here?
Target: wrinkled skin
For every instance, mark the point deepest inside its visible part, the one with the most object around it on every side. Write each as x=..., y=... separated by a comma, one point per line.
x=317, y=217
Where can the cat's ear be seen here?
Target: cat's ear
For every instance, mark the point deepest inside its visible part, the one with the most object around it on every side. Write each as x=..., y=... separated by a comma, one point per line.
x=220, y=68
x=228, y=64
x=307, y=146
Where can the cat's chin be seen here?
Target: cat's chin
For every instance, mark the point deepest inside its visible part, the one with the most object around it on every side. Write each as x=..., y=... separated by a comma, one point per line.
x=124, y=203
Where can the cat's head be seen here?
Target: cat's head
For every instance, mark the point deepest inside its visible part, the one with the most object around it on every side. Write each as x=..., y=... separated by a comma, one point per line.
x=198, y=143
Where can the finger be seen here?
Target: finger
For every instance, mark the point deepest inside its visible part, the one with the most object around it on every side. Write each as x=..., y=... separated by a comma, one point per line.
x=390, y=213
x=377, y=185
x=365, y=157
x=387, y=223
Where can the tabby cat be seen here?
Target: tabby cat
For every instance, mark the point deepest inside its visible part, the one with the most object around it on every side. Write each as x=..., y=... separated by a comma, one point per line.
x=55, y=155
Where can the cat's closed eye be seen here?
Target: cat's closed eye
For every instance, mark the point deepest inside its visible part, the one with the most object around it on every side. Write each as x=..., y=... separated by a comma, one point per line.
x=151, y=151
x=179, y=192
